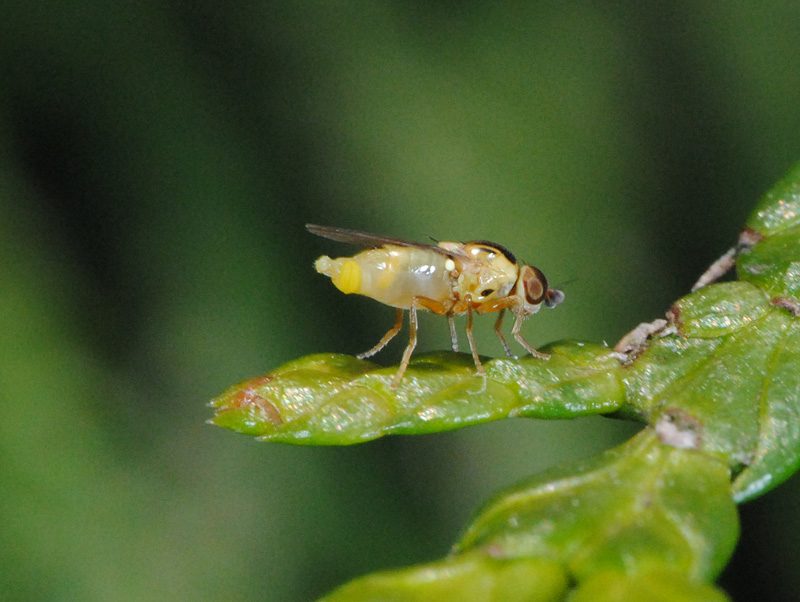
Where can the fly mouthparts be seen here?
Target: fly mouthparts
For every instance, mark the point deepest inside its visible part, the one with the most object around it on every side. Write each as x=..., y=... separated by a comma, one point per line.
x=553, y=297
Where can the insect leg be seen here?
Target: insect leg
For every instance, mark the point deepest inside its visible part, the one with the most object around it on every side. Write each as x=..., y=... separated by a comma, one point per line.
x=398, y=324
x=453, y=335
x=416, y=303
x=471, y=339
x=500, y=336
x=517, y=335
x=412, y=342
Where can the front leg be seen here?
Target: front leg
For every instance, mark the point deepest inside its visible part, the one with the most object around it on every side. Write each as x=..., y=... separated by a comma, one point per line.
x=499, y=305
x=518, y=335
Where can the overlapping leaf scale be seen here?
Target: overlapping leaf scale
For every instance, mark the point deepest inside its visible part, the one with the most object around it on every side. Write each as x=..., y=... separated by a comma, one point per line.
x=654, y=586
x=332, y=399
x=647, y=521
x=777, y=453
x=779, y=209
x=473, y=577
x=714, y=384
x=629, y=510
x=773, y=262
x=729, y=368
x=621, y=526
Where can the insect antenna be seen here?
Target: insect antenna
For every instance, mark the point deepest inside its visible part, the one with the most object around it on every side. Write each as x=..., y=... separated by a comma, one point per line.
x=563, y=284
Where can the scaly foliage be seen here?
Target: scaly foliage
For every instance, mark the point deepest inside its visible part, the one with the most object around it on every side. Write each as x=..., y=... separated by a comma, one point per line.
x=717, y=385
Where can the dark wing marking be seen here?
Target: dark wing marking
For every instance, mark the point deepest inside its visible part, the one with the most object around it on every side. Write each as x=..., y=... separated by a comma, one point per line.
x=371, y=241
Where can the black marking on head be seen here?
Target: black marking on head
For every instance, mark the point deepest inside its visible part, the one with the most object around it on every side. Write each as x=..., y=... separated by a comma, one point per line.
x=487, y=292
x=493, y=246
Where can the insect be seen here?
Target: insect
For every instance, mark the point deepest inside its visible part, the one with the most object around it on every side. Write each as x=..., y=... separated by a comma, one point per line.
x=448, y=278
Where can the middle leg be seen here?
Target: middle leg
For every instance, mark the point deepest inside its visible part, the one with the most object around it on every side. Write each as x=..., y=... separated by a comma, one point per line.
x=416, y=303
x=500, y=336
x=471, y=339
x=453, y=336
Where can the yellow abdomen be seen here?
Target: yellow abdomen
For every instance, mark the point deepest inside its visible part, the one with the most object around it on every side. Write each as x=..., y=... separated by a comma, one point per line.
x=391, y=275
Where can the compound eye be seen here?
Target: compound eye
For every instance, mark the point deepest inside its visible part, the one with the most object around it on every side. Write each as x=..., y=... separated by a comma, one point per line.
x=487, y=292
x=535, y=285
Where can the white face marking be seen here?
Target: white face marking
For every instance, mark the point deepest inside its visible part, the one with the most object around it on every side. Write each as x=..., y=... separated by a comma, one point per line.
x=449, y=265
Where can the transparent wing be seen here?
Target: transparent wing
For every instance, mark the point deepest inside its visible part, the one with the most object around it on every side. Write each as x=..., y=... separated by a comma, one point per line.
x=375, y=241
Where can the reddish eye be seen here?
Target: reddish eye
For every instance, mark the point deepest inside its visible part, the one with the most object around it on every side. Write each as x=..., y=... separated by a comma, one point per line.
x=535, y=285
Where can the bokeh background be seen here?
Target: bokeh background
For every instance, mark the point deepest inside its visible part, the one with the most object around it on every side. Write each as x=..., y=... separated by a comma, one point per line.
x=158, y=161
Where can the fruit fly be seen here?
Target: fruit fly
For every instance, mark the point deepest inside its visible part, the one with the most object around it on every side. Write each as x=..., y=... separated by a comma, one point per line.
x=448, y=278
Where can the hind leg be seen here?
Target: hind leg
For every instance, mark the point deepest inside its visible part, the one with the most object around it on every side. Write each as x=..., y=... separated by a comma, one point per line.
x=398, y=324
x=417, y=303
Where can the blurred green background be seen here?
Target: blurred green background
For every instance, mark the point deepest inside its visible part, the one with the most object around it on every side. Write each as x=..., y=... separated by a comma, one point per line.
x=157, y=164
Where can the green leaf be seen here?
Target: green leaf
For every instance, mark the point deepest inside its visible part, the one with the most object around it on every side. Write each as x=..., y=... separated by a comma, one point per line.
x=579, y=379
x=644, y=521
x=465, y=577
x=718, y=385
x=654, y=586
x=777, y=455
x=641, y=506
x=337, y=400
x=719, y=310
x=779, y=208
x=773, y=264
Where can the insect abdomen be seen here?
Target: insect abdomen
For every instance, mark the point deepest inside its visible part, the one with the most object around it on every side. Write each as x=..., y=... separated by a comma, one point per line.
x=390, y=275
x=345, y=273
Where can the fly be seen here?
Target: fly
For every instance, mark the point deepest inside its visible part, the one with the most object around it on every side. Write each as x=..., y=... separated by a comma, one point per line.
x=448, y=278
